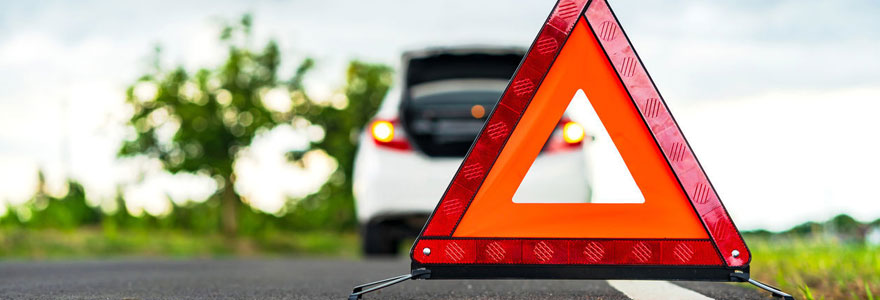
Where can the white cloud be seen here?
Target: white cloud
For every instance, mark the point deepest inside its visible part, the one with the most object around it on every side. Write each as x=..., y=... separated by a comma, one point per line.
x=782, y=157
x=27, y=48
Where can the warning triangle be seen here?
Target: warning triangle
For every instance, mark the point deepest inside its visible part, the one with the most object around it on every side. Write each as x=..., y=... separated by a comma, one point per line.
x=681, y=231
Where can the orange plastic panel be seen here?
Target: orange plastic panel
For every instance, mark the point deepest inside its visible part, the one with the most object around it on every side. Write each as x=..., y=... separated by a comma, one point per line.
x=666, y=213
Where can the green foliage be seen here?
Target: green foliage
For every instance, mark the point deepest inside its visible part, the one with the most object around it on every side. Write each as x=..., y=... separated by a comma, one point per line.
x=209, y=114
x=806, y=228
x=67, y=212
x=844, y=224
x=213, y=113
x=43, y=211
x=805, y=289
x=333, y=206
x=843, y=227
x=88, y=242
x=816, y=267
x=197, y=121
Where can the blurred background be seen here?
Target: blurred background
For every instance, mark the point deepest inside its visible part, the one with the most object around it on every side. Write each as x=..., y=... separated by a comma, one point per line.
x=231, y=128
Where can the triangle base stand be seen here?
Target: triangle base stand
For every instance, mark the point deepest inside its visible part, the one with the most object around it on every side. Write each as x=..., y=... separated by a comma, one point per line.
x=359, y=291
x=744, y=277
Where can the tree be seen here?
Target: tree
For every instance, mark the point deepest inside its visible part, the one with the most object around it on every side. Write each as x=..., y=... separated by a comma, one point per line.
x=366, y=86
x=198, y=121
x=62, y=212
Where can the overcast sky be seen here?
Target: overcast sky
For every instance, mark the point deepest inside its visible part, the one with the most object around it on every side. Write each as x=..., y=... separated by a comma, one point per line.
x=778, y=98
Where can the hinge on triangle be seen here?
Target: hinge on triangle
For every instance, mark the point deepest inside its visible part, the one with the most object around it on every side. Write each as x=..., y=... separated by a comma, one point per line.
x=744, y=277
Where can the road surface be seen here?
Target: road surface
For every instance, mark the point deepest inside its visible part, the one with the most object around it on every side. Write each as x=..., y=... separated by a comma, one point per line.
x=284, y=278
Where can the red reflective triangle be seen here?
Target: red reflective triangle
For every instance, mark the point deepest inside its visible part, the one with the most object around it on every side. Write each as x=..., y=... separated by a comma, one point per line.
x=682, y=231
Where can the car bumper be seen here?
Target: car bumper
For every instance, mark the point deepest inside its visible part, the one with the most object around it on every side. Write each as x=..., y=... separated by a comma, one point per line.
x=391, y=184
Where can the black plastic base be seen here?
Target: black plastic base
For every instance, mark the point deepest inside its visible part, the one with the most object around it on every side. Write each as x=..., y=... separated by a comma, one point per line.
x=578, y=272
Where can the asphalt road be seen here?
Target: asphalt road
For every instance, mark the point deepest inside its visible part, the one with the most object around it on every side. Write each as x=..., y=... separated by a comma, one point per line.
x=306, y=279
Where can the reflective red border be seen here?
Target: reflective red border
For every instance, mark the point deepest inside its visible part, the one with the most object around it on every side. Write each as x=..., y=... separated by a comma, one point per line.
x=567, y=252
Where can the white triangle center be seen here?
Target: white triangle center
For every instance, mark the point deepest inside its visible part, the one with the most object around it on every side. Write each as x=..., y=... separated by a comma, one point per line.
x=595, y=175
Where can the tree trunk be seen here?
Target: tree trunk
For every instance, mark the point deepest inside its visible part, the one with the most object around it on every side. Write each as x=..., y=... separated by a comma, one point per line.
x=229, y=208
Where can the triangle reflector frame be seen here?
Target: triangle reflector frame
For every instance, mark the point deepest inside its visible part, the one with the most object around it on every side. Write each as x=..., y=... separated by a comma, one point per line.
x=682, y=231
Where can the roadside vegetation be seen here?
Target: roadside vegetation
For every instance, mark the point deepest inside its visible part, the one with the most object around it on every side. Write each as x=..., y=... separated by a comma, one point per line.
x=98, y=243
x=838, y=259
x=198, y=122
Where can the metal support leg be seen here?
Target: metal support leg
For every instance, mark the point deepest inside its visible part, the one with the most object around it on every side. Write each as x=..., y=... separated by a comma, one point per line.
x=360, y=290
x=744, y=277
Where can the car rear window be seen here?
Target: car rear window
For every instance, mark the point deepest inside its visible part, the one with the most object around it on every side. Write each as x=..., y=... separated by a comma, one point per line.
x=444, y=118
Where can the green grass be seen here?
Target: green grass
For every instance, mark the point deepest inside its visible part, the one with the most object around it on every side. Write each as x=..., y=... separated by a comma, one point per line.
x=817, y=268
x=98, y=243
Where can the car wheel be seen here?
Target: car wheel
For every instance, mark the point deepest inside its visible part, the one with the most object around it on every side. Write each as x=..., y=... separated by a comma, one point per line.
x=379, y=240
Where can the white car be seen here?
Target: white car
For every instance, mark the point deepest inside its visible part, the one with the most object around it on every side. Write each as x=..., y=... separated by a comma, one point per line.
x=424, y=128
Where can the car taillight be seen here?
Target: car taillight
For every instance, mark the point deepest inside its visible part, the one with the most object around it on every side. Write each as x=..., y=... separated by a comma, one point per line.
x=572, y=132
x=570, y=135
x=384, y=134
x=383, y=131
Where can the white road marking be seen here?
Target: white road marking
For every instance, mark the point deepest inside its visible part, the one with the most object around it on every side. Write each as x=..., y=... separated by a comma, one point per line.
x=650, y=290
